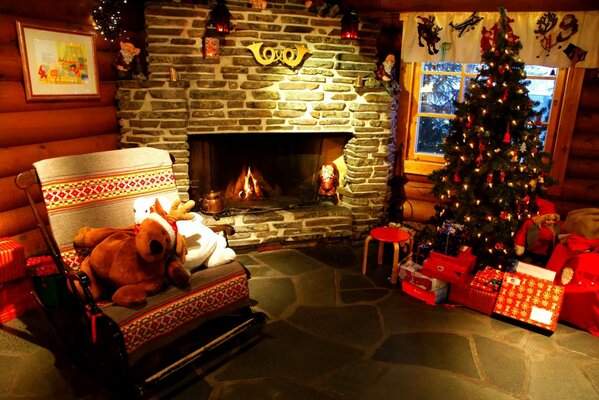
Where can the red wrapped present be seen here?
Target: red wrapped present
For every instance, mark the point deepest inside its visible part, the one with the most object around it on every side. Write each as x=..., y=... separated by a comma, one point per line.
x=41, y=266
x=16, y=297
x=487, y=280
x=411, y=272
x=448, y=268
x=428, y=296
x=476, y=299
x=577, y=265
x=529, y=299
x=12, y=260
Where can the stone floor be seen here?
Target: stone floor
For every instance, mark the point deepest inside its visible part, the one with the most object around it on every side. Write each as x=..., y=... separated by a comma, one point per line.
x=333, y=333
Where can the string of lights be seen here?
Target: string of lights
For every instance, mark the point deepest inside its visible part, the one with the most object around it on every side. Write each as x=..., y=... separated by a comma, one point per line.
x=107, y=18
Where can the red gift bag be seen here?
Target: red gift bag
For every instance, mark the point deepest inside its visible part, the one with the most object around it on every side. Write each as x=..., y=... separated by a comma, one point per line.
x=577, y=268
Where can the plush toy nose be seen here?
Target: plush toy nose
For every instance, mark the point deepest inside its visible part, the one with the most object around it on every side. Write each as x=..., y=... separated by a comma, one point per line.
x=155, y=247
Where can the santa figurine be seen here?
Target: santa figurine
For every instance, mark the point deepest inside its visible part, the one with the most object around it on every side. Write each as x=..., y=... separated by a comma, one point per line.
x=537, y=237
x=328, y=179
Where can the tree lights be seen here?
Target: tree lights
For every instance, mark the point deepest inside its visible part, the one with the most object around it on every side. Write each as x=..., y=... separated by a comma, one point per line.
x=493, y=171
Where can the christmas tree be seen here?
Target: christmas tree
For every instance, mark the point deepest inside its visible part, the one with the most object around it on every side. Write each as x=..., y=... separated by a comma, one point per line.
x=494, y=163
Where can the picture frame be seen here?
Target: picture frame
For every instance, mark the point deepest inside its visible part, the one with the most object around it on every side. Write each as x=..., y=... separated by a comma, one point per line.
x=58, y=64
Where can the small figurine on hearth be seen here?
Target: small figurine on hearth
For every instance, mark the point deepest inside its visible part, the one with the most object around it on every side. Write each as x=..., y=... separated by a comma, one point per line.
x=328, y=179
x=127, y=62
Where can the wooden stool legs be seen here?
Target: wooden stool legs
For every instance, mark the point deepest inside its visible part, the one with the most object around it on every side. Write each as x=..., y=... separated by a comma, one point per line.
x=366, y=241
x=396, y=249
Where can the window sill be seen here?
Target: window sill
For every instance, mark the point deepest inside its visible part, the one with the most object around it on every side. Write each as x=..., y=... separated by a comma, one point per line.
x=418, y=167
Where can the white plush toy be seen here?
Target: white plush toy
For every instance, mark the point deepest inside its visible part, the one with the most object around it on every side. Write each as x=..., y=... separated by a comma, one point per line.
x=204, y=246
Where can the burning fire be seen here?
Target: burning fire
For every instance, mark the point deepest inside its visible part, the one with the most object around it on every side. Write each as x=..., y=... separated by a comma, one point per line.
x=251, y=187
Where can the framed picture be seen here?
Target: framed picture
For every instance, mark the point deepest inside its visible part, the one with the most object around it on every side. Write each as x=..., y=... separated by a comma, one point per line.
x=58, y=64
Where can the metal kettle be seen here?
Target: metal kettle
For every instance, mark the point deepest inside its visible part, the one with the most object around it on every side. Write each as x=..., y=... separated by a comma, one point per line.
x=212, y=203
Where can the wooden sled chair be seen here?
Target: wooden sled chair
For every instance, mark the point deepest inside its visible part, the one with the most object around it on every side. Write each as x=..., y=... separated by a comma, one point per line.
x=98, y=190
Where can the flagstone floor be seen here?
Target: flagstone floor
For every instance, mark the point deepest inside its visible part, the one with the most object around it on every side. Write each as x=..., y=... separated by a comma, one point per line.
x=333, y=334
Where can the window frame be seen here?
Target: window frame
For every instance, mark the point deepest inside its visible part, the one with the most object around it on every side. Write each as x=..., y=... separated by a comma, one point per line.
x=425, y=163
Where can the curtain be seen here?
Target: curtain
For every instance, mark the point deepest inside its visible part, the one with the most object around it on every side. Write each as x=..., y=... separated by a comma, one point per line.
x=552, y=39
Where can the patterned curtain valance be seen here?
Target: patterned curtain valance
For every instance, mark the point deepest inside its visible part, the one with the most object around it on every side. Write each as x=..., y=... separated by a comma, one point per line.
x=552, y=39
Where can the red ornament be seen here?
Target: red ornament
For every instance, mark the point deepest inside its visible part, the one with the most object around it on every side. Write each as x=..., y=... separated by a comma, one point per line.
x=503, y=215
x=479, y=160
x=490, y=177
x=499, y=246
x=505, y=93
x=469, y=123
x=490, y=82
x=501, y=176
x=526, y=199
x=456, y=177
x=501, y=69
x=507, y=138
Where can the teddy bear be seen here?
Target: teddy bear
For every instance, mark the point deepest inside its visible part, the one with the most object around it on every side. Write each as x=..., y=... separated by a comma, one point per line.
x=204, y=246
x=538, y=235
x=133, y=262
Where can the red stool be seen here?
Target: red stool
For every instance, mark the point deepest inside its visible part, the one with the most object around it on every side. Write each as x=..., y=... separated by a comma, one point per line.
x=384, y=234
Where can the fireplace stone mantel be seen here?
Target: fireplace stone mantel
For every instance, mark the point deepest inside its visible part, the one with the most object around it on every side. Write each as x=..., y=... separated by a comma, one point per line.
x=235, y=94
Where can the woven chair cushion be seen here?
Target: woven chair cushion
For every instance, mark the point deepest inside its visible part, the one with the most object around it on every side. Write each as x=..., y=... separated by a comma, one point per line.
x=98, y=190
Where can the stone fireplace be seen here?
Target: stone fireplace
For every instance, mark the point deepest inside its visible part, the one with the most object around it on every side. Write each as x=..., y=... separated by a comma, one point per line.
x=293, y=120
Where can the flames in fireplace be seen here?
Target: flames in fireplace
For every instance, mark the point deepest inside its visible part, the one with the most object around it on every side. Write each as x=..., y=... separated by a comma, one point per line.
x=250, y=185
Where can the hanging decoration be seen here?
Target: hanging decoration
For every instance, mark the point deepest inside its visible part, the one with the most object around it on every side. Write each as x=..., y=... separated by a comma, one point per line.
x=287, y=56
x=467, y=25
x=549, y=37
x=107, y=18
x=429, y=32
x=553, y=39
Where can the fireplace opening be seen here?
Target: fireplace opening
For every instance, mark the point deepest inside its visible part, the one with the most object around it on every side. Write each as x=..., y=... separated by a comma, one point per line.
x=253, y=170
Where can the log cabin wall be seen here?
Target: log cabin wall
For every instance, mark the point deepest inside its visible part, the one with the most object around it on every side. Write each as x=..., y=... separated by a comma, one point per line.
x=580, y=181
x=31, y=131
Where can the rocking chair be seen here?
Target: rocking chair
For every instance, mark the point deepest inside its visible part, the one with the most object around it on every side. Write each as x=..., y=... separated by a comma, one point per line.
x=98, y=190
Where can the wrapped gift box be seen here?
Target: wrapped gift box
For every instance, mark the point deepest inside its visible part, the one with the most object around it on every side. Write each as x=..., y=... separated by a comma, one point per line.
x=12, y=260
x=488, y=280
x=421, y=252
x=16, y=297
x=530, y=299
x=411, y=272
x=448, y=268
x=536, y=271
x=428, y=296
x=40, y=266
x=476, y=299
x=450, y=237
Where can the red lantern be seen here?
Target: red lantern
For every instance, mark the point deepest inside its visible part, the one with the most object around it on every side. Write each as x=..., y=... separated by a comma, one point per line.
x=349, y=25
x=220, y=17
x=210, y=42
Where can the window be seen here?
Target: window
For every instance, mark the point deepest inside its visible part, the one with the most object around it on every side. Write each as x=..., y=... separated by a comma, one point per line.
x=435, y=88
